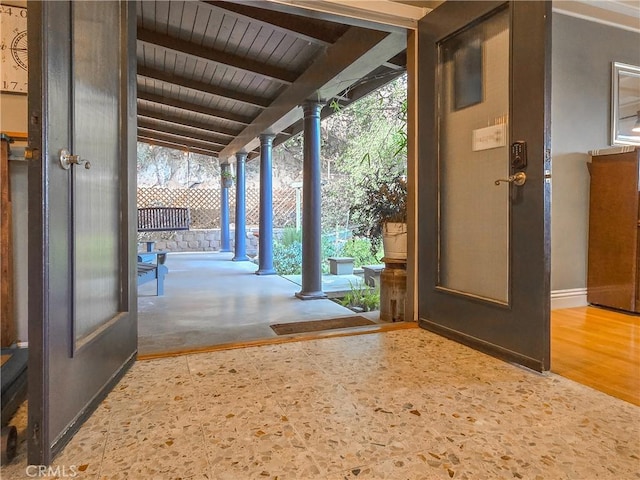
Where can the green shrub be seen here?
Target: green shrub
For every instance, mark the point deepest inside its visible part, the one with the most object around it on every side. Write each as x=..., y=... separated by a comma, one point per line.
x=287, y=259
x=371, y=300
x=360, y=250
x=287, y=253
x=290, y=236
x=328, y=250
x=361, y=296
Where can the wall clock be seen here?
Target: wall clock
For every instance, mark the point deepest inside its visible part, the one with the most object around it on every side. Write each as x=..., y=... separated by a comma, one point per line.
x=13, y=49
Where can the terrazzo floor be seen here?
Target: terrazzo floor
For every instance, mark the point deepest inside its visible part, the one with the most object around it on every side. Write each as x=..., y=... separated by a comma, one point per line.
x=405, y=404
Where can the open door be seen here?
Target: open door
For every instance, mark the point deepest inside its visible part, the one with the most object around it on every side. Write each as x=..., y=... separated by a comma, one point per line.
x=82, y=297
x=484, y=177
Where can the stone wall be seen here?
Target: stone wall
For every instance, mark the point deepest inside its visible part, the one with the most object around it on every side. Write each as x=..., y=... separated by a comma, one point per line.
x=198, y=240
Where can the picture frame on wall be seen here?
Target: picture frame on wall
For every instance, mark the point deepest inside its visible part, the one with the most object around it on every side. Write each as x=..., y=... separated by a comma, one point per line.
x=625, y=104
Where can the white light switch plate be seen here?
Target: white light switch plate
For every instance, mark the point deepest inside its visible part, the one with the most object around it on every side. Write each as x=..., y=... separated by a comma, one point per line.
x=489, y=137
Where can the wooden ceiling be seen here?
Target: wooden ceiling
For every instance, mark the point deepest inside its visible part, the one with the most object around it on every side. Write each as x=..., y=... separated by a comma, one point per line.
x=213, y=76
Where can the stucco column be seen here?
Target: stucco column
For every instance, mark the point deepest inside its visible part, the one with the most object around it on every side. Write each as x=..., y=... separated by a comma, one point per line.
x=265, y=239
x=224, y=211
x=240, y=247
x=311, y=211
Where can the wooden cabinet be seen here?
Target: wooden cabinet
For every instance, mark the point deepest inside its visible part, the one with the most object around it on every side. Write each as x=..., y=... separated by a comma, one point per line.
x=612, y=278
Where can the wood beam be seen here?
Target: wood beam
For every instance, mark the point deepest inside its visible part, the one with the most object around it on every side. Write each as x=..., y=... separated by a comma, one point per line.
x=354, y=95
x=306, y=29
x=198, y=86
x=218, y=56
x=193, y=107
x=322, y=10
x=180, y=120
x=175, y=146
x=147, y=125
x=354, y=55
x=178, y=140
x=370, y=85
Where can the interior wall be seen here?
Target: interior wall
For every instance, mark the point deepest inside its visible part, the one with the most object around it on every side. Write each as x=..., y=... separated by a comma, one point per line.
x=582, y=53
x=13, y=118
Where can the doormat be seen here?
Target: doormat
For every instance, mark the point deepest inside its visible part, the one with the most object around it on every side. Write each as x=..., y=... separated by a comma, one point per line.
x=319, y=325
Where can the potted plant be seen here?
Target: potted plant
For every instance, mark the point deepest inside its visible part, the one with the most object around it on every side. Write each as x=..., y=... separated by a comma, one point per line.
x=381, y=216
x=227, y=178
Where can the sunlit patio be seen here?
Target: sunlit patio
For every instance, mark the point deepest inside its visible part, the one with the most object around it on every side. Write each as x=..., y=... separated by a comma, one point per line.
x=210, y=300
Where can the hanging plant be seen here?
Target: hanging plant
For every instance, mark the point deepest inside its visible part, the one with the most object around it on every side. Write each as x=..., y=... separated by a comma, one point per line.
x=227, y=178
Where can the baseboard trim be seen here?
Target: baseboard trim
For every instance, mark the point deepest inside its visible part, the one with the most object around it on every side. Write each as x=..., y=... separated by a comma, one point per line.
x=538, y=365
x=573, y=297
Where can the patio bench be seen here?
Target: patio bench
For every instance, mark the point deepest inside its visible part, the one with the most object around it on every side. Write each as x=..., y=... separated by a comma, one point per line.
x=158, y=219
x=161, y=219
x=151, y=267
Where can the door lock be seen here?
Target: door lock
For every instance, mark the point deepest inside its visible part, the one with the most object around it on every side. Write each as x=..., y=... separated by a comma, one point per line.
x=66, y=160
x=517, y=179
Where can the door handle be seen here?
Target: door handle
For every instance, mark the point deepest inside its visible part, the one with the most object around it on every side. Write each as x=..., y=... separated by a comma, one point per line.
x=66, y=160
x=518, y=179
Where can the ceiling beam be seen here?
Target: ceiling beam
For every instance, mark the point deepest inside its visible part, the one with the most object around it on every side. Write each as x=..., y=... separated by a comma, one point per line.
x=379, y=12
x=180, y=131
x=175, y=146
x=305, y=29
x=306, y=9
x=178, y=140
x=619, y=14
x=353, y=56
x=354, y=95
x=203, y=87
x=218, y=56
x=371, y=84
x=180, y=120
x=193, y=107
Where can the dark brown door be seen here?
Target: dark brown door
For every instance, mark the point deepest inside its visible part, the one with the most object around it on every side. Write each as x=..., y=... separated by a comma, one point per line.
x=82, y=317
x=484, y=177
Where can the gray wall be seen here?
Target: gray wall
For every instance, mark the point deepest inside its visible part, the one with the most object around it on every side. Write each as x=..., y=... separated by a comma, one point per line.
x=580, y=111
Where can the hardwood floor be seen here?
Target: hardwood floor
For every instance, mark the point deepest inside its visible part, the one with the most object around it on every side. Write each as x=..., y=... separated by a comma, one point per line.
x=598, y=347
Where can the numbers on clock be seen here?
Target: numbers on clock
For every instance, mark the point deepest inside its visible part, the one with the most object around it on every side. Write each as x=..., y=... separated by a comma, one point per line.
x=13, y=49
x=19, y=49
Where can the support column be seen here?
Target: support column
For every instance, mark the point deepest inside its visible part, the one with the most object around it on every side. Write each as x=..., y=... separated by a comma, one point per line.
x=224, y=209
x=265, y=239
x=311, y=211
x=240, y=246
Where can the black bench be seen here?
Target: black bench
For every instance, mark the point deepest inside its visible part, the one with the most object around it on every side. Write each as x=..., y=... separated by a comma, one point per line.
x=157, y=219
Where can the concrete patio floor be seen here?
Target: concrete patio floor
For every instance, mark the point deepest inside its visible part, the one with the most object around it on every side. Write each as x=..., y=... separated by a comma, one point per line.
x=211, y=300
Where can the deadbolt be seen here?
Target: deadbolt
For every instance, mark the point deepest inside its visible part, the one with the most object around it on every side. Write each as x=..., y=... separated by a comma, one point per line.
x=66, y=160
x=518, y=179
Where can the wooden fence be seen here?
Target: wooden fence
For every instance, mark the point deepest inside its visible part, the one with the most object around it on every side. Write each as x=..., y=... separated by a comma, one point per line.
x=204, y=204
